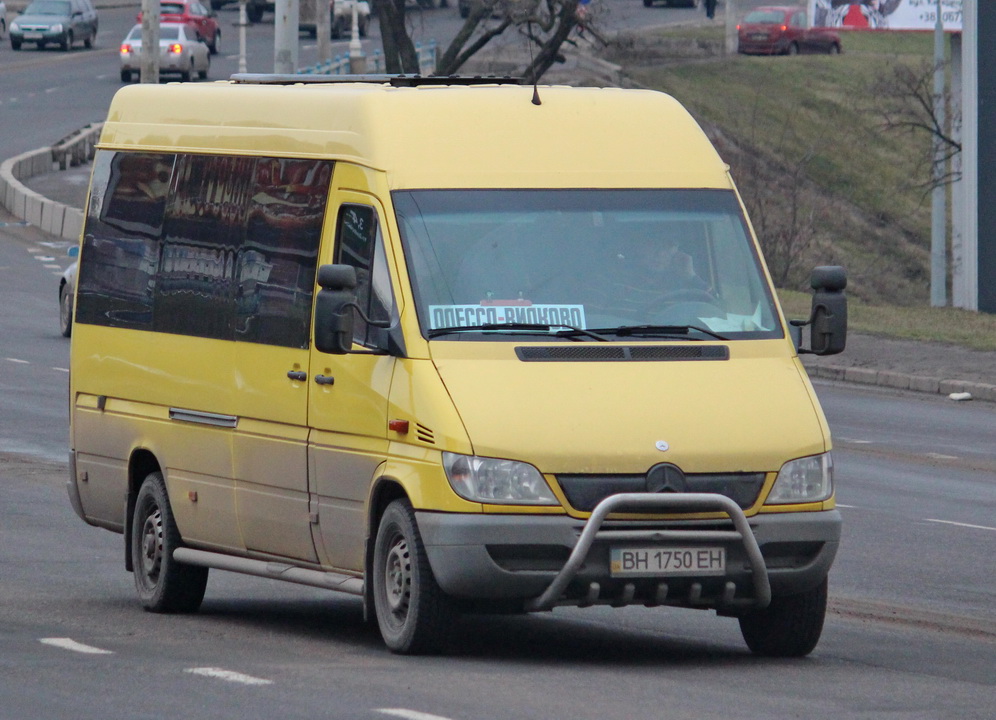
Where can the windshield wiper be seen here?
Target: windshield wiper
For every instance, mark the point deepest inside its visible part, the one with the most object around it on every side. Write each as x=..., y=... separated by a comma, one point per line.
x=657, y=331
x=570, y=330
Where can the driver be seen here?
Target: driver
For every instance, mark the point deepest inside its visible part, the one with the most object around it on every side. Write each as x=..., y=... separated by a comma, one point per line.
x=645, y=272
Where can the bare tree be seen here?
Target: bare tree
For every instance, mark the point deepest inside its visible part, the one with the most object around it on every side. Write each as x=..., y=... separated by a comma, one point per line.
x=546, y=25
x=906, y=103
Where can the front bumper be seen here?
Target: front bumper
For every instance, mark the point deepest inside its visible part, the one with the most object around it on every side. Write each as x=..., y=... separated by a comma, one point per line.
x=545, y=561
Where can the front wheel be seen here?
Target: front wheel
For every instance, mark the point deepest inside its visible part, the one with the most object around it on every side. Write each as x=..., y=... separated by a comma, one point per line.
x=163, y=585
x=413, y=613
x=789, y=627
x=66, y=311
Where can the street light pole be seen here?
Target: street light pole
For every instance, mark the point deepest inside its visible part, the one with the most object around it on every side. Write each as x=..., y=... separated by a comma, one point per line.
x=939, y=209
x=243, y=21
x=357, y=60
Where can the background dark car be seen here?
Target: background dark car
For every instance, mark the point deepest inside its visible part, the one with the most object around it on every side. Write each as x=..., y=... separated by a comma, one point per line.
x=778, y=30
x=56, y=22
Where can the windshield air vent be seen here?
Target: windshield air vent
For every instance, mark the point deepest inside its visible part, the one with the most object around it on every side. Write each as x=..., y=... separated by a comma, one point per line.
x=625, y=353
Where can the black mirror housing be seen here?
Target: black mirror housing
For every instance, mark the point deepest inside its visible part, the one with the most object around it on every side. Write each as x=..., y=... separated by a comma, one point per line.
x=828, y=319
x=334, y=307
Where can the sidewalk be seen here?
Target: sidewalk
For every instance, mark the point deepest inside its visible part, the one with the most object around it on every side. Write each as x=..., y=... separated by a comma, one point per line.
x=933, y=368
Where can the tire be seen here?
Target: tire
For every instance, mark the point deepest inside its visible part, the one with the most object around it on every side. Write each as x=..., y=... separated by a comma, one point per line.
x=163, y=585
x=66, y=42
x=15, y=44
x=253, y=13
x=202, y=74
x=648, y=3
x=126, y=76
x=65, y=311
x=834, y=49
x=792, y=49
x=413, y=613
x=216, y=43
x=188, y=73
x=789, y=627
x=90, y=40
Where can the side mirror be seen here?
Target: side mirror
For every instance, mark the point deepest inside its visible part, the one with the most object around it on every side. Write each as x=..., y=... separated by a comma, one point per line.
x=828, y=317
x=334, y=309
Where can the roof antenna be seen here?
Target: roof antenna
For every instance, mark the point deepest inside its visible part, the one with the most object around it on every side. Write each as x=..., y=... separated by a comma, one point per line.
x=536, y=97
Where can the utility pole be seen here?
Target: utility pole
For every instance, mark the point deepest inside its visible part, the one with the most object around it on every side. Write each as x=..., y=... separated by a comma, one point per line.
x=285, y=33
x=939, y=208
x=323, y=29
x=150, y=41
x=732, y=13
x=243, y=21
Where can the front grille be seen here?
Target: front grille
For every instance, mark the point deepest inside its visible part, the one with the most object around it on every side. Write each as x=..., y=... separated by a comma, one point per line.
x=584, y=492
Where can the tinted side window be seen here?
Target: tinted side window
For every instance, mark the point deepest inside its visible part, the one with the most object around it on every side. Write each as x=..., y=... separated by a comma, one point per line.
x=213, y=246
x=275, y=269
x=195, y=288
x=359, y=243
x=121, y=245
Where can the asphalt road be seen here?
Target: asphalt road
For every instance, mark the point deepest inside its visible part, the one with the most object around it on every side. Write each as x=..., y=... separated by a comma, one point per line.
x=913, y=606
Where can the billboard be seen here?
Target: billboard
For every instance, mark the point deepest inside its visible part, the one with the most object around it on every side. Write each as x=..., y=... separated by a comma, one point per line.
x=885, y=14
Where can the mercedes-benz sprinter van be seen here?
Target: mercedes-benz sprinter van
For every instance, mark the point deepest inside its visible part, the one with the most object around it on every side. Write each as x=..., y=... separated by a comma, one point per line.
x=446, y=346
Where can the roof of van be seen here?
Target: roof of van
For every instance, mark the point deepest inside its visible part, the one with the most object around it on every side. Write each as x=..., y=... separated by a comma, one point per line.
x=432, y=136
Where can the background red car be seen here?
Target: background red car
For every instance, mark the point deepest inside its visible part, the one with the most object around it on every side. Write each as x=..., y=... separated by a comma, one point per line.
x=779, y=30
x=192, y=12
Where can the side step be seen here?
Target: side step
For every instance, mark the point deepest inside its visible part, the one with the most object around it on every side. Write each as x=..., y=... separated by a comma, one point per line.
x=268, y=569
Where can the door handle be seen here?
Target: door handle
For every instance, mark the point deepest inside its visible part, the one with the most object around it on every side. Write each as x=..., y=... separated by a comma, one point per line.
x=324, y=379
x=298, y=375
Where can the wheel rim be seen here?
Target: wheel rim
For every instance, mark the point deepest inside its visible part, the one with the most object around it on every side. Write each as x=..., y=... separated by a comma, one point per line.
x=398, y=578
x=151, y=551
x=67, y=304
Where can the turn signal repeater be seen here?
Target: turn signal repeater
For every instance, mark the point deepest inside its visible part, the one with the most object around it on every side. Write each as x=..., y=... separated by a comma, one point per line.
x=176, y=49
x=398, y=426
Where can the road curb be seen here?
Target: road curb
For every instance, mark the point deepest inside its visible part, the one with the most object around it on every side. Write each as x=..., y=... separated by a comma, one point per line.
x=51, y=216
x=903, y=381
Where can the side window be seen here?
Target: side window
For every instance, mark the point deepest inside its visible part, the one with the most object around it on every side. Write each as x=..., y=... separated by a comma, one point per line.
x=121, y=242
x=194, y=292
x=799, y=20
x=276, y=266
x=359, y=243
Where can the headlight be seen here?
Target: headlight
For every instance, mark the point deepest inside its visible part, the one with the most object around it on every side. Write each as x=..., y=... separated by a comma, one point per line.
x=808, y=479
x=490, y=480
x=14, y=27
x=57, y=28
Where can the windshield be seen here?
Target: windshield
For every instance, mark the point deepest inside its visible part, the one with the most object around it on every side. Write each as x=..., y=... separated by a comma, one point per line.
x=765, y=17
x=672, y=262
x=48, y=7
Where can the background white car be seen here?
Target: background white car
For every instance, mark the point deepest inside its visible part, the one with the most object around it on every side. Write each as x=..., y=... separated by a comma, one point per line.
x=67, y=289
x=180, y=53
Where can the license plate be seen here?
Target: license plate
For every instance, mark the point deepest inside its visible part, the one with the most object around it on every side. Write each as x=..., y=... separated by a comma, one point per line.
x=758, y=36
x=32, y=36
x=659, y=561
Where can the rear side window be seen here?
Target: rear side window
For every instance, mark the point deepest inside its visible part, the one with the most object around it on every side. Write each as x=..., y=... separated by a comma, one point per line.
x=212, y=246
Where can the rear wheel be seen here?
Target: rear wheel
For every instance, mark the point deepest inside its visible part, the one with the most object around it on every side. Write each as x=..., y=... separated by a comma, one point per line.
x=835, y=49
x=188, y=73
x=789, y=627
x=202, y=74
x=163, y=585
x=792, y=49
x=413, y=613
x=125, y=76
x=215, y=43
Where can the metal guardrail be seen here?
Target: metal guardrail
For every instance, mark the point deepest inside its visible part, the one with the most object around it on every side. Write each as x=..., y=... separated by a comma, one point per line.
x=340, y=65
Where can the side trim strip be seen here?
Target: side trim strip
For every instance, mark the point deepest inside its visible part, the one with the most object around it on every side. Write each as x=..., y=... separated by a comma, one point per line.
x=203, y=418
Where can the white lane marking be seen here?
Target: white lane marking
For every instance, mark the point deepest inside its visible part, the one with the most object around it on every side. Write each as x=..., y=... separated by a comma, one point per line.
x=940, y=456
x=228, y=676
x=964, y=525
x=856, y=442
x=52, y=267
x=44, y=258
x=34, y=250
x=65, y=370
x=70, y=644
x=410, y=714
x=20, y=362
x=849, y=507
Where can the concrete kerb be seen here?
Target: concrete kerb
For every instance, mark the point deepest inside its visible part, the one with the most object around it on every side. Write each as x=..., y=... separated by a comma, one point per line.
x=54, y=218
x=903, y=381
